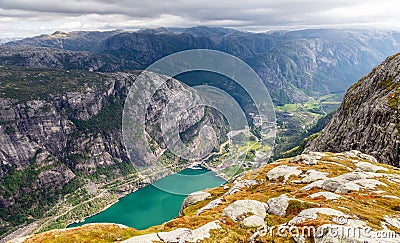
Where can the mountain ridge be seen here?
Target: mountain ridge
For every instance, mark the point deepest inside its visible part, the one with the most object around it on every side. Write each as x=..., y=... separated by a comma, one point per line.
x=368, y=119
x=305, y=62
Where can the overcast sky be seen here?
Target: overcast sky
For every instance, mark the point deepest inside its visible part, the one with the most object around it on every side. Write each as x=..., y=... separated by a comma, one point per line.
x=33, y=17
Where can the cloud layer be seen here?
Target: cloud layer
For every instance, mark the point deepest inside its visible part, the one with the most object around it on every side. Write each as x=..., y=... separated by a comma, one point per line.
x=28, y=17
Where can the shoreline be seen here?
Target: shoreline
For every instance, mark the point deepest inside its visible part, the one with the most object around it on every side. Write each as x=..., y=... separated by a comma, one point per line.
x=216, y=172
x=192, y=166
x=107, y=206
x=143, y=183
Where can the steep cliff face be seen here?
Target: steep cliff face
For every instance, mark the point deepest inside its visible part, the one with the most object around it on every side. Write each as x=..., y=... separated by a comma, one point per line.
x=61, y=130
x=368, y=119
x=49, y=138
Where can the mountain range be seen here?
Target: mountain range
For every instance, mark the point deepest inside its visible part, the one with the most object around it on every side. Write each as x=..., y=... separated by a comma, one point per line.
x=293, y=64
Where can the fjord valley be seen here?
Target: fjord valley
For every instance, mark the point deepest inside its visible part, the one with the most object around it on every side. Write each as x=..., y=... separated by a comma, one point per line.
x=63, y=158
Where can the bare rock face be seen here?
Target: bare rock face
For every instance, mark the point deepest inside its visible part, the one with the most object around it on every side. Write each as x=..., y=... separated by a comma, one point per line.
x=40, y=57
x=312, y=213
x=328, y=233
x=203, y=232
x=326, y=195
x=214, y=203
x=368, y=119
x=282, y=171
x=241, y=207
x=253, y=221
x=178, y=235
x=368, y=167
x=57, y=125
x=148, y=238
x=239, y=184
x=195, y=197
x=313, y=175
x=333, y=184
x=278, y=205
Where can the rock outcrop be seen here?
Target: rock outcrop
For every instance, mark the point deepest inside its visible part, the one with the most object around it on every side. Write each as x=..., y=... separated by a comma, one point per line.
x=239, y=184
x=368, y=119
x=283, y=172
x=210, y=205
x=195, y=197
x=253, y=221
x=180, y=235
x=240, y=208
x=278, y=205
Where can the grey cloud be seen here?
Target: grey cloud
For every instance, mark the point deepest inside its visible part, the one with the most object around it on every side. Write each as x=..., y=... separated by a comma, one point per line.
x=250, y=14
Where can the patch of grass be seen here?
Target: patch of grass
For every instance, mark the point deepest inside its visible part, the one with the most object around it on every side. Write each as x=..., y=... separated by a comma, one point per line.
x=296, y=206
x=312, y=105
x=387, y=83
x=394, y=100
x=88, y=233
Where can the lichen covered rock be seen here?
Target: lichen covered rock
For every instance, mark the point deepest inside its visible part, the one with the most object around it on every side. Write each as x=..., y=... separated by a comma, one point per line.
x=195, y=197
x=242, y=207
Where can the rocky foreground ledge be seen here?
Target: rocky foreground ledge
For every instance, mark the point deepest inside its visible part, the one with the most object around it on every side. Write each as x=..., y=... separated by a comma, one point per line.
x=313, y=197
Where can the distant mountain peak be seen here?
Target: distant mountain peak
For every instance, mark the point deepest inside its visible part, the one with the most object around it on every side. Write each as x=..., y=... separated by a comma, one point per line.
x=59, y=33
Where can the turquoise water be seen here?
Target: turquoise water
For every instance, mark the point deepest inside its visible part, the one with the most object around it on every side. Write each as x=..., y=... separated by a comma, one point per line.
x=151, y=206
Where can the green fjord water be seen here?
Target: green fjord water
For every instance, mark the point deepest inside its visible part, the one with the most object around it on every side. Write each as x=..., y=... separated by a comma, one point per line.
x=150, y=205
